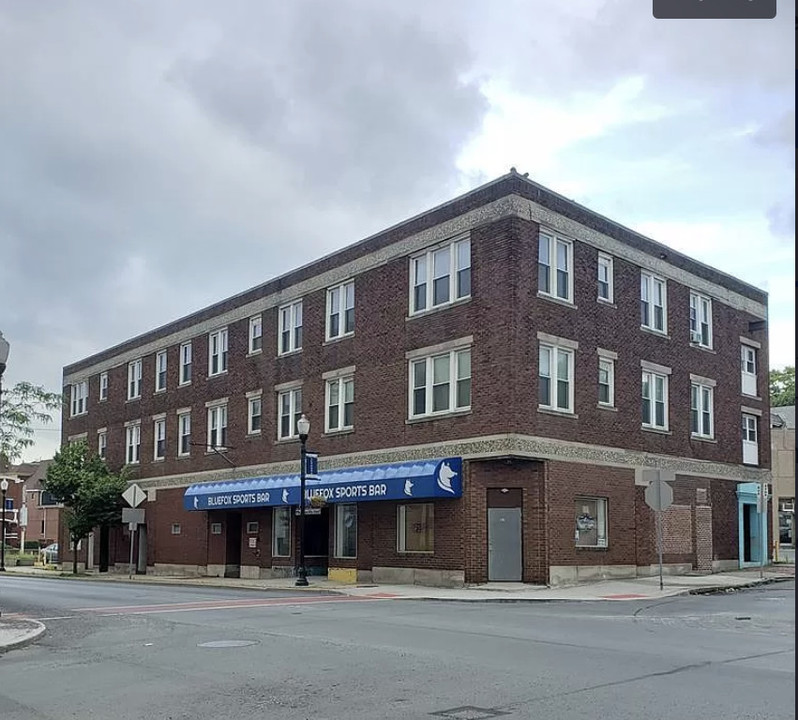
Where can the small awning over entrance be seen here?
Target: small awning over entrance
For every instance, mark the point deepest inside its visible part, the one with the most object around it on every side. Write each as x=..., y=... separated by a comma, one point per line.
x=397, y=481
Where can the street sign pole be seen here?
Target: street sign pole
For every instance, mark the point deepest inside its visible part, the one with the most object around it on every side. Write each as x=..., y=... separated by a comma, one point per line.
x=763, y=509
x=132, y=527
x=659, y=545
x=659, y=497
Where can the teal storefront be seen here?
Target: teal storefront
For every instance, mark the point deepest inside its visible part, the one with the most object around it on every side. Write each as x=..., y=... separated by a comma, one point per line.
x=752, y=526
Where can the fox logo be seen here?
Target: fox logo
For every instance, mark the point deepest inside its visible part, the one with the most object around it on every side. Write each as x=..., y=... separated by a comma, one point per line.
x=285, y=495
x=445, y=477
x=196, y=503
x=408, y=488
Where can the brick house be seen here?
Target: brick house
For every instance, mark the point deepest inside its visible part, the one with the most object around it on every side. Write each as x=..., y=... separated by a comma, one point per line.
x=485, y=384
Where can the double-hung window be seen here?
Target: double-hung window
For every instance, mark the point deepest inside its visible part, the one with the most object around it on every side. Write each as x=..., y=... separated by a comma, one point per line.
x=555, y=267
x=700, y=320
x=556, y=374
x=217, y=352
x=254, y=414
x=702, y=423
x=134, y=379
x=605, y=278
x=217, y=427
x=160, y=371
x=159, y=439
x=103, y=394
x=750, y=439
x=184, y=434
x=133, y=443
x=341, y=310
x=655, y=399
x=102, y=443
x=289, y=410
x=440, y=276
x=185, y=363
x=290, y=338
x=80, y=392
x=606, y=381
x=440, y=383
x=748, y=376
x=653, y=303
x=340, y=403
x=255, y=334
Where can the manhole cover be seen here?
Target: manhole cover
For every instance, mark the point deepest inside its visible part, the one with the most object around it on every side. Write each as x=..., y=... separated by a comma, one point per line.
x=227, y=643
x=469, y=712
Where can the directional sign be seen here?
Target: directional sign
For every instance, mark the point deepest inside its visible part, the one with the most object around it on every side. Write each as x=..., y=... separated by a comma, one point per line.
x=133, y=516
x=134, y=495
x=659, y=495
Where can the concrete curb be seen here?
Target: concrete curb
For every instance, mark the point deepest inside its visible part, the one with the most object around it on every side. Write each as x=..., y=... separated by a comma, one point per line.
x=717, y=589
x=37, y=630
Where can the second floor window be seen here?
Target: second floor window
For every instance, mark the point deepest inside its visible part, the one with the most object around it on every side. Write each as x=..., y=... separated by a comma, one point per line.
x=340, y=398
x=134, y=379
x=440, y=276
x=341, y=310
x=750, y=439
x=184, y=434
x=160, y=371
x=254, y=410
x=103, y=394
x=701, y=411
x=80, y=392
x=606, y=382
x=185, y=363
x=217, y=352
x=556, y=372
x=748, y=360
x=159, y=439
x=217, y=427
x=655, y=400
x=132, y=444
x=700, y=320
x=440, y=383
x=289, y=410
x=555, y=258
x=102, y=444
x=290, y=328
x=255, y=334
x=653, y=303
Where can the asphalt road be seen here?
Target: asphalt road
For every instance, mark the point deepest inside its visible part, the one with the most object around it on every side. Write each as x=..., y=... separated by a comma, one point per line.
x=117, y=651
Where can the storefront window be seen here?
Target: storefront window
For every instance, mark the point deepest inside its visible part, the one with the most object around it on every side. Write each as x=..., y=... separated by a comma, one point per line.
x=416, y=527
x=346, y=531
x=281, y=532
x=591, y=522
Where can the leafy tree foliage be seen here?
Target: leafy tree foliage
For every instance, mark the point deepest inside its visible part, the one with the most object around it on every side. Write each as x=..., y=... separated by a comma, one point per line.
x=782, y=387
x=21, y=408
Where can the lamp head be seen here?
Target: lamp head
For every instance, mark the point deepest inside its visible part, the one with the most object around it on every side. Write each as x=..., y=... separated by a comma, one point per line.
x=3, y=484
x=303, y=426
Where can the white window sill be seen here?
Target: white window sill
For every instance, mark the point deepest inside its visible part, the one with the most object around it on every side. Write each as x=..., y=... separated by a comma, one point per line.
x=703, y=438
x=286, y=440
x=252, y=353
x=133, y=399
x=338, y=338
x=132, y=464
x=654, y=331
x=606, y=303
x=159, y=391
x=342, y=431
x=81, y=414
x=184, y=384
x=438, y=308
x=705, y=348
x=289, y=353
x=216, y=375
x=602, y=406
x=159, y=459
x=253, y=433
x=437, y=416
x=105, y=399
x=217, y=451
x=184, y=457
x=558, y=413
x=558, y=300
x=750, y=397
x=655, y=430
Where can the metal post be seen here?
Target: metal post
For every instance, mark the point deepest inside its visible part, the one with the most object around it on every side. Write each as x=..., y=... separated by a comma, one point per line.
x=659, y=545
x=133, y=528
x=763, y=545
x=302, y=574
x=3, y=537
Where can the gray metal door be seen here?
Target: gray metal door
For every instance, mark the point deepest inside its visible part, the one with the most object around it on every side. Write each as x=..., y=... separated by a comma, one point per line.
x=504, y=544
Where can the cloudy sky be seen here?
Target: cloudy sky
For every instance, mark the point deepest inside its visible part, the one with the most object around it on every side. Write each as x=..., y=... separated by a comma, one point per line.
x=156, y=157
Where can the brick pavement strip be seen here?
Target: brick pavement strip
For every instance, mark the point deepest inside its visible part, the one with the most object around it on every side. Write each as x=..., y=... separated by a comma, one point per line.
x=16, y=631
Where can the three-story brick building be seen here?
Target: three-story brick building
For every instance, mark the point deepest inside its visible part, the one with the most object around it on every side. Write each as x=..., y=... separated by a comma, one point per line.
x=485, y=383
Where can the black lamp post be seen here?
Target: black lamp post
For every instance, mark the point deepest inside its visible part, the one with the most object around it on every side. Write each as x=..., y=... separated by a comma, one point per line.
x=303, y=428
x=3, y=488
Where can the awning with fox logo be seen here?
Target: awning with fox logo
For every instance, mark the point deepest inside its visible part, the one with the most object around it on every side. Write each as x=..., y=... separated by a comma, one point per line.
x=420, y=479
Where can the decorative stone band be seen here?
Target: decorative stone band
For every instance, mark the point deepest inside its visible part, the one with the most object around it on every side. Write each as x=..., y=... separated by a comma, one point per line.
x=521, y=446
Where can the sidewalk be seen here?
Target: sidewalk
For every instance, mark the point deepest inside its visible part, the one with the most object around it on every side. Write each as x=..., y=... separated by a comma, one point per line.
x=16, y=632
x=625, y=589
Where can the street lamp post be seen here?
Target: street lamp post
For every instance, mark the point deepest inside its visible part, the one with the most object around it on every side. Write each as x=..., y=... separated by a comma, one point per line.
x=303, y=428
x=3, y=489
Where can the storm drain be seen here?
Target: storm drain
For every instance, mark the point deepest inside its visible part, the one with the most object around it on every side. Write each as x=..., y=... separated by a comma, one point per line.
x=469, y=712
x=227, y=643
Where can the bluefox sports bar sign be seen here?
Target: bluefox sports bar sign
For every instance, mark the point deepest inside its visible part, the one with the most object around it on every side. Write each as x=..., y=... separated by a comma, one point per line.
x=398, y=481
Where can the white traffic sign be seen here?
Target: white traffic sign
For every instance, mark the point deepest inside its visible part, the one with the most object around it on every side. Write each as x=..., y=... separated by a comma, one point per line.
x=134, y=495
x=659, y=495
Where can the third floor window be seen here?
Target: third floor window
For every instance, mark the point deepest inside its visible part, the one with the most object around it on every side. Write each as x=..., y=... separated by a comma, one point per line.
x=80, y=392
x=290, y=328
x=653, y=303
x=440, y=276
x=341, y=310
x=217, y=352
x=134, y=379
x=255, y=334
x=555, y=259
x=160, y=371
x=700, y=320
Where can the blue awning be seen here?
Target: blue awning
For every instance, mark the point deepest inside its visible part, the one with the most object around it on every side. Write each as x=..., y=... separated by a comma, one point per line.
x=396, y=481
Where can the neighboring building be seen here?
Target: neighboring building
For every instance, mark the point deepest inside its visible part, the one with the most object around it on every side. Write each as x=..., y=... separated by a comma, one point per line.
x=485, y=381
x=36, y=517
x=782, y=443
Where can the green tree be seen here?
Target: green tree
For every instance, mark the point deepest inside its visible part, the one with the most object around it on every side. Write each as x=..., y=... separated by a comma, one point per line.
x=782, y=387
x=21, y=407
x=91, y=493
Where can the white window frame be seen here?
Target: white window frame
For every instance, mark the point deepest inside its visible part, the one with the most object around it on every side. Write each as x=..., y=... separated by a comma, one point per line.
x=550, y=270
x=425, y=270
x=133, y=444
x=649, y=283
x=555, y=353
x=750, y=425
x=602, y=522
x=607, y=364
x=159, y=435
x=102, y=444
x=183, y=434
x=702, y=405
x=455, y=362
x=253, y=402
x=289, y=328
x=276, y=512
x=134, y=379
x=339, y=385
x=339, y=299
x=605, y=264
x=102, y=394
x=160, y=371
x=176, y=529
x=217, y=351
x=294, y=396
x=653, y=378
x=80, y=398
x=217, y=428
x=700, y=320
x=401, y=529
x=255, y=334
x=186, y=363
x=340, y=510
x=748, y=379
